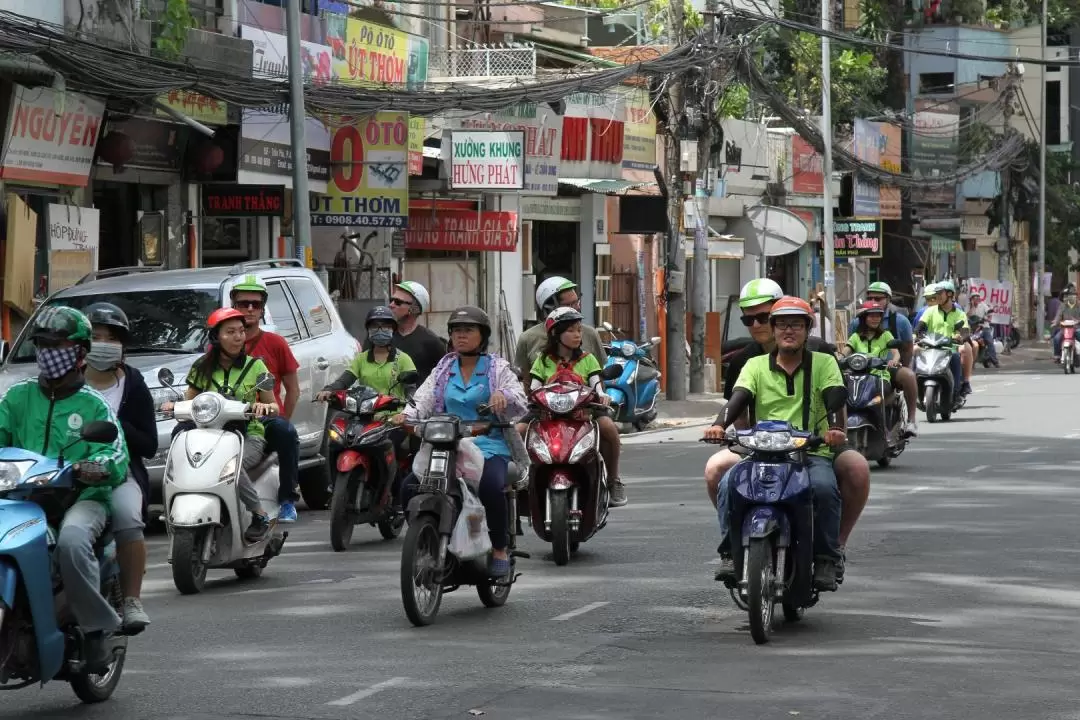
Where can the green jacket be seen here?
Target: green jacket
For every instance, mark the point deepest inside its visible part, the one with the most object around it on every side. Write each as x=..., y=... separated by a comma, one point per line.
x=532, y=342
x=30, y=420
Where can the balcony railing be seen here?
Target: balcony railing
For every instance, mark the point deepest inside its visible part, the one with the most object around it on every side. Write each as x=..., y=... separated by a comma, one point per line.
x=483, y=61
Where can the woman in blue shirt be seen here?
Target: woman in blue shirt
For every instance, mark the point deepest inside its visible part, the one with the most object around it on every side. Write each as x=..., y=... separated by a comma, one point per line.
x=462, y=381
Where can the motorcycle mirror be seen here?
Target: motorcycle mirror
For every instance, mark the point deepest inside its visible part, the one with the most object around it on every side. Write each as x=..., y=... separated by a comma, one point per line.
x=165, y=377
x=655, y=340
x=607, y=326
x=410, y=377
x=959, y=325
x=265, y=382
x=611, y=372
x=99, y=431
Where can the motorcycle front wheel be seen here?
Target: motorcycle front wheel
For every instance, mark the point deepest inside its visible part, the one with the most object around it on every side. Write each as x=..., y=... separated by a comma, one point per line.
x=930, y=403
x=341, y=523
x=188, y=568
x=421, y=595
x=560, y=528
x=761, y=575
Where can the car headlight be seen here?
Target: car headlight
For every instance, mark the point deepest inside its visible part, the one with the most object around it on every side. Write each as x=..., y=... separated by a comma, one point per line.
x=439, y=432
x=10, y=475
x=205, y=408
x=561, y=402
x=858, y=362
x=229, y=471
x=767, y=441
x=628, y=349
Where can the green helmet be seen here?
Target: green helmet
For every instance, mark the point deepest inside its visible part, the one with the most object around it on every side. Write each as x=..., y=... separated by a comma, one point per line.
x=880, y=287
x=930, y=290
x=58, y=323
x=250, y=283
x=759, y=292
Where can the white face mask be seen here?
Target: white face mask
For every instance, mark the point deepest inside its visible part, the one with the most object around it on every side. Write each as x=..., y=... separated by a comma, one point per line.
x=104, y=356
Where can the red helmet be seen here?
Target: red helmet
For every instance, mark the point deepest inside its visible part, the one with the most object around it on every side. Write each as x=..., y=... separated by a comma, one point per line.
x=789, y=305
x=870, y=307
x=221, y=315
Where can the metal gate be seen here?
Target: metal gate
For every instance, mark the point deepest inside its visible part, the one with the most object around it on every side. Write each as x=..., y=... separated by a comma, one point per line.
x=359, y=279
x=624, y=302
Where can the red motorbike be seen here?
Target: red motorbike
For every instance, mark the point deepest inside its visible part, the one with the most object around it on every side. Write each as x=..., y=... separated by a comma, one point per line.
x=567, y=495
x=362, y=453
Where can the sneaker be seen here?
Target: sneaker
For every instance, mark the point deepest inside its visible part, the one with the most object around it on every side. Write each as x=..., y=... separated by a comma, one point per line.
x=965, y=388
x=911, y=429
x=825, y=573
x=499, y=567
x=257, y=530
x=726, y=571
x=135, y=618
x=287, y=513
x=96, y=653
x=618, y=494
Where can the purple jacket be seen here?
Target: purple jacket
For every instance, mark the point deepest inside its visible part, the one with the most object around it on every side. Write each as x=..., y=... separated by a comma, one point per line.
x=430, y=397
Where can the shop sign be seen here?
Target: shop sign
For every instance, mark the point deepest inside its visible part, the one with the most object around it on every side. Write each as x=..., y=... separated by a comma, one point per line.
x=462, y=230
x=158, y=145
x=416, y=145
x=368, y=54
x=639, y=136
x=856, y=238
x=891, y=206
x=74, y=234
x=934, y=149
x=486, y=159
x=807, y=176
x=201, y=108
x=551, y=209
x=51, y=139
x=369, y=180
x=998, y=295
x=594, y=127
x=745, y=169
x=543, y=141
x=243, y=200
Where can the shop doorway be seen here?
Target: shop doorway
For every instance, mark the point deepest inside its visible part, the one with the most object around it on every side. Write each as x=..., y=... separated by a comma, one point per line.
x=120, y=204
x=555, y=250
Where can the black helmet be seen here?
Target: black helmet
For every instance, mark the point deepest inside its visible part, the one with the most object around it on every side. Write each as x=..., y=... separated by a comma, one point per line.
x=380, y=313
x=59, y=323
x=471, y=315
x=103, y=313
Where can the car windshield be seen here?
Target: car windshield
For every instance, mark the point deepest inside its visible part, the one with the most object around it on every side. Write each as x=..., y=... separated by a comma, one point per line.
x=162, y=321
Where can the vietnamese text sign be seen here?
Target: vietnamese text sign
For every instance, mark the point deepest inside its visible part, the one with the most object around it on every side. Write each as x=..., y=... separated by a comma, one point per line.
x=487, y=160
x=543, y=141
x=639, y=135
x=243, y=200
x=857, y=238
x=369, y=54
x=890, y=204
x=369, y=179
x=416, y=145
x=202, y=108
x=74, y=234
x=935, y=144
x=594, y=126
x=998, y=295
x=50, y=139
x=462, y=230
x=867, y=145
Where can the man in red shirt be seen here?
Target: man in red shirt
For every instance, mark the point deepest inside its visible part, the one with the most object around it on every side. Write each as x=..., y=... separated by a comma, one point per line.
x=249, y=297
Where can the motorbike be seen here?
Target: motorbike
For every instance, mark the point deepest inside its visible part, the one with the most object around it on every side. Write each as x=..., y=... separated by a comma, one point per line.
x=875, y=413
x=428, y=568
x=39, y=638
x=982, y=356
x=1068, y=346
x=634, y=390
x=567, y=495
x=366, y=464
x=937, y=394
x=204, y=515
x=772, y=524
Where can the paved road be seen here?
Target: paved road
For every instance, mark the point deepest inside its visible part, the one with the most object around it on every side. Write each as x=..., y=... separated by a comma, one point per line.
x=961, y=602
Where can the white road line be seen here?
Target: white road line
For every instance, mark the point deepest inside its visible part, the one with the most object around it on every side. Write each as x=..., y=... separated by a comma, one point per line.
x=580, y=611
x=978, y=468
x=368, y=692
x=1072, y=436
x=1031, y=449
x=919, y=489
x=1008, y=384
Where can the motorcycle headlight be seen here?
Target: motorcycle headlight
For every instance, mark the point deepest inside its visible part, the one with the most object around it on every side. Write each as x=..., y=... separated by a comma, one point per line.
x=205, y=408
x=583, y=446
x=767, y=441
x=940, y=364
x=537, y=446
x=10, y=475
x=628, y=349
x=367, y=405
x=858, y=363
x=439, y=432
x=560, y=402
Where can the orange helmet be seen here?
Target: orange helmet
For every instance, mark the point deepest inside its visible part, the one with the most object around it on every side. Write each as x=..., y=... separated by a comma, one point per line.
x=221, y=315
x=789, y=305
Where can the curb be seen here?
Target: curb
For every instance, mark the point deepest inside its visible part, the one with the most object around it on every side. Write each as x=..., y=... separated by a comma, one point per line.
x=693, y=423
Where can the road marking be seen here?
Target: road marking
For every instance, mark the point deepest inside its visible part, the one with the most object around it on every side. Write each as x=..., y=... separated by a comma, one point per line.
x=1031, y=449
x=1008, y=384
x=978, y=468
x=368, y=692
x=580, y=611
x=919, y=489
x=1072, y=436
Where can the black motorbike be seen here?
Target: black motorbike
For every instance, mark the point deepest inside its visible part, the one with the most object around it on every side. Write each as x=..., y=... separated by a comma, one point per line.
x=875, y=417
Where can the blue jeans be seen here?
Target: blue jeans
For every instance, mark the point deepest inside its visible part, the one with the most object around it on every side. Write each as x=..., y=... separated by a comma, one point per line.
x=991, y=350
x=957, y=371
x=281, y=438
x=826, y=506
x=492, y=493
x=1056, y=339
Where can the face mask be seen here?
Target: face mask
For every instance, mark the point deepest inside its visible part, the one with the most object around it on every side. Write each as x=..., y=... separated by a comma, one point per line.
x=104, y=356
x=55, y=363
x=381, y=338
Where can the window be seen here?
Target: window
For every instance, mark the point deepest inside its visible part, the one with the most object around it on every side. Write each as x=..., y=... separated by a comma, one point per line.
x=280, y=313
x=1053, y=112
x=936, y=83
x=602, y=288
x=309, y=301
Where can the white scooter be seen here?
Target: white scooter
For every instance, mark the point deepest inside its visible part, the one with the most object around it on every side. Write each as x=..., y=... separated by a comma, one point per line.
x=204, y=514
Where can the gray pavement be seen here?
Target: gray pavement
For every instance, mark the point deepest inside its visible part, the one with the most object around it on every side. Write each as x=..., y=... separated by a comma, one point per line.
x=960, y=602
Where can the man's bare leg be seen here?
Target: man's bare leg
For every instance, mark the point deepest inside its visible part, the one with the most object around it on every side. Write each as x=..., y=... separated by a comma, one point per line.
x=715, y=468
x=853, y=479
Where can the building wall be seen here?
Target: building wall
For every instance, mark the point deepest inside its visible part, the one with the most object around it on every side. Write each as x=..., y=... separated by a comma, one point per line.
x=1025, y=42
x=974, y=41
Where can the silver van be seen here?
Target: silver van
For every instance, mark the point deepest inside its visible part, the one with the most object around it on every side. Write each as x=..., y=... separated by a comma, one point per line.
x=168, y=309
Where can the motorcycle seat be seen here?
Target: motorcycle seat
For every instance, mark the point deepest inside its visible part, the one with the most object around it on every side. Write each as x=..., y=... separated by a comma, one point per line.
x=645, y=373
x=263, y=465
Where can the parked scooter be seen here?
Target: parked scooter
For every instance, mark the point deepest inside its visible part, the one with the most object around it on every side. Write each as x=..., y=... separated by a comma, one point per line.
x=938, y=393
x=567, y=490
x=875, y=412
x=1069, y=357
x=39, y=640
x=634, y=390
x=366, y=463
x=204, y=515
x=772, y=524
x=428, y=568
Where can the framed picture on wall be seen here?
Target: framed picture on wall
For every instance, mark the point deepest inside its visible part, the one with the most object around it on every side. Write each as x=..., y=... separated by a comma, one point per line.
x=227, y=237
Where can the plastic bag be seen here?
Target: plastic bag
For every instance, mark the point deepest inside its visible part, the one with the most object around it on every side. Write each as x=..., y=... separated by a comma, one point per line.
x=421, y=460
x=470, y=536
x=470, y=462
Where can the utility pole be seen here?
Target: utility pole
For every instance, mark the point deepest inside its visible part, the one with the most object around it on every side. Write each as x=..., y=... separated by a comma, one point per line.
x=1006, y=175
x=675, y=256
x=829, y=271
x=1040, y=307
x=297, y=114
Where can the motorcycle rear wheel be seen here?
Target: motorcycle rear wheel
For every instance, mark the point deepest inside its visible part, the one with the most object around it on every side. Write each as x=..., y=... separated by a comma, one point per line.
x=93, y=689
x=560, y=528
x=341, y=525
x=188, y=569
x=759, y=590
x=419, y=555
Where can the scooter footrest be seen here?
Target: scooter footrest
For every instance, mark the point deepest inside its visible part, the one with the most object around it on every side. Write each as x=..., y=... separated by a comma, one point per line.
x=506, y=583
x=520, y=554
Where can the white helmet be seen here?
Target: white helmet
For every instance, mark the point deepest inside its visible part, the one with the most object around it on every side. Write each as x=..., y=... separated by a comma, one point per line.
x=548, y=291
x=419, y=293
x=759, y=292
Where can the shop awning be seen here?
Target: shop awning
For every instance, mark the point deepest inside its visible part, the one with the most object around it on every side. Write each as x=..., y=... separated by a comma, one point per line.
x=604, y=187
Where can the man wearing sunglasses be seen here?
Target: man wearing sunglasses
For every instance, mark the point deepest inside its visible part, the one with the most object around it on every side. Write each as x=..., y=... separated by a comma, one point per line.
x=852, y=471
x=249, y=297
x=408, y=301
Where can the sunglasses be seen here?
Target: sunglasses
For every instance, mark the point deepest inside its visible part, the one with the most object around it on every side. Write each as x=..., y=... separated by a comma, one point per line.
x=399, y=302
x=762, y=318
x=790, y=324
x=249, y=304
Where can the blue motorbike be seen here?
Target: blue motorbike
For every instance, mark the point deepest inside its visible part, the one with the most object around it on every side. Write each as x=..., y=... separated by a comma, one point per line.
x=772, y=524
x=39, y=639
x=633, y=394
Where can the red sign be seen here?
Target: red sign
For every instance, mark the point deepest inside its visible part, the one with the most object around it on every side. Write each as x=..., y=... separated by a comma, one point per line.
x=597, y=140
x=807, y=177
x=462, y=230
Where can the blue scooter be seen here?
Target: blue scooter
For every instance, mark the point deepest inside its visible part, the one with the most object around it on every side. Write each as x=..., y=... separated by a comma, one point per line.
x=39, y=640
x=772, y=524
x=633, y=394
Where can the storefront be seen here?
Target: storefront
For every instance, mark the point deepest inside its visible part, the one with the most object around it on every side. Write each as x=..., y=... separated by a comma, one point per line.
x=239, y=222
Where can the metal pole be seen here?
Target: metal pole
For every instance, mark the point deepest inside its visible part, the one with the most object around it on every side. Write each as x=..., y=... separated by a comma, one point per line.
x=674, y=278
x=1006, y=174
x=1040, y=300
x=297, y=115
x=829, y=270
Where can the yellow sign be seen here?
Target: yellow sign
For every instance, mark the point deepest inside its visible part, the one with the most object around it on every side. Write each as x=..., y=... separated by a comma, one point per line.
x=368, y=54
x=197, y=107
x=369, y=178
x=416, y=145
x=639, y=136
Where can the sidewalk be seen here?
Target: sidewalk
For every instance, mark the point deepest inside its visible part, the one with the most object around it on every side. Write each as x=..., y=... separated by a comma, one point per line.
x=696, y=409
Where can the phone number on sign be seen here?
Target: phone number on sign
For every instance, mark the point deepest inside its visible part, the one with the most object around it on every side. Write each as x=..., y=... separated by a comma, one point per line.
x=362, y=220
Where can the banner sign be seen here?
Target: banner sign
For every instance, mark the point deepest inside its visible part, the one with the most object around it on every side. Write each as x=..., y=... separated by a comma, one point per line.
x=857, y=238
x=243, y=200
x=369, y=178
x=543, y=141
x=462, y=230
x=46, y=146
x=416, y=145
x=486, y=160
x=594, y=127
x=998, y=295
x=203, y=108
x=807, y=169
x=639, y=135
